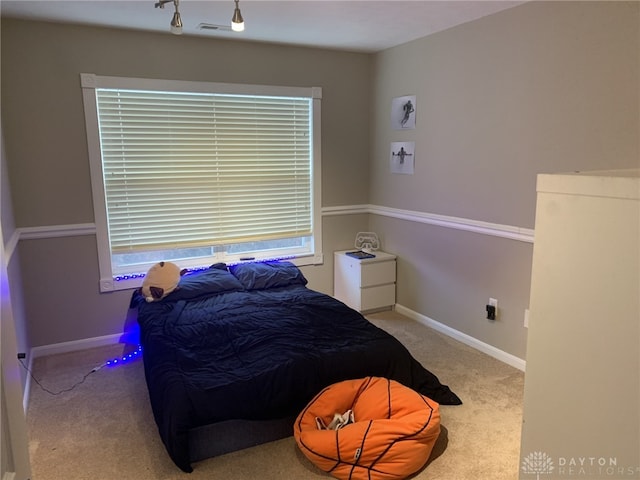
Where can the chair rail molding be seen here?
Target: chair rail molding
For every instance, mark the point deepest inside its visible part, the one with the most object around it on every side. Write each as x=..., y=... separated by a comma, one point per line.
x=54, y=231
x=477, y=226
x=466, y=224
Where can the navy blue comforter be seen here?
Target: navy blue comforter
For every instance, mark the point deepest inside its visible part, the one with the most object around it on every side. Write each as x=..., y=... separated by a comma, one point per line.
x=259, y=353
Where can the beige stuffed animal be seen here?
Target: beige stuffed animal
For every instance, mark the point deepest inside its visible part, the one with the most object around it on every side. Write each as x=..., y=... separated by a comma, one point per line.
x=160, y=281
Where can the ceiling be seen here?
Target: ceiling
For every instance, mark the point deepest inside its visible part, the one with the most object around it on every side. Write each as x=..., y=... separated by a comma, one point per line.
x=353, y=25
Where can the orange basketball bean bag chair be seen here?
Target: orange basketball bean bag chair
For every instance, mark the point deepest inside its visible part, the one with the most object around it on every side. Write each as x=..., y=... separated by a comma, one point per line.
x=392, y=432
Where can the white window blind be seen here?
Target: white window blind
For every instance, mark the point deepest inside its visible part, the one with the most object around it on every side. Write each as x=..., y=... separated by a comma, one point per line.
x=194, y=169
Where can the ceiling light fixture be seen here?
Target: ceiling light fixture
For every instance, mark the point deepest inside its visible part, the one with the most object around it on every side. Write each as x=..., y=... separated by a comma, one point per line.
x=176, y=21
x=237, y=22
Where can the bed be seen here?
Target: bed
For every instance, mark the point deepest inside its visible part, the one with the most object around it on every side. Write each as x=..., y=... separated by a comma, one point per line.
x=234, y=354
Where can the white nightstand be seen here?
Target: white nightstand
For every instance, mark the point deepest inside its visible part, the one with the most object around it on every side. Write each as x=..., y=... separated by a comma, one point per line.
x=365, y=285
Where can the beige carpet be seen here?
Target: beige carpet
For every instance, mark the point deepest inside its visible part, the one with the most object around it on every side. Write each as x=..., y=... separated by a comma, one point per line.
x=103, y=429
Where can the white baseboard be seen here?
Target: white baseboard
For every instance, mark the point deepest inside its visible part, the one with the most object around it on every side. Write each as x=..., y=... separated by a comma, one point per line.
x=490, y=350
x=65, y=347
x=74, y=345
x=9, y=476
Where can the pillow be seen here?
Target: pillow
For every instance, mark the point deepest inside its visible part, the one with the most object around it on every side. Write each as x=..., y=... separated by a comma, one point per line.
x=196, y=284
x=261, y=275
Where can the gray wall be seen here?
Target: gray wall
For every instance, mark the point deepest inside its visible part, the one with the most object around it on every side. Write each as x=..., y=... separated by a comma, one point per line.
x=542, y=87
x=47, y=150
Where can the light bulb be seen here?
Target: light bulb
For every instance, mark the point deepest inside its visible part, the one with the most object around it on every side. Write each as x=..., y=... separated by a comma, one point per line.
x=176, y=24
x=237, y=22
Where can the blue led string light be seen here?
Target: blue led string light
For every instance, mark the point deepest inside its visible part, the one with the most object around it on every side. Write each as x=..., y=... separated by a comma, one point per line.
x=124, y=359
x=133, y=276
x=109, y=363
x=129, y=276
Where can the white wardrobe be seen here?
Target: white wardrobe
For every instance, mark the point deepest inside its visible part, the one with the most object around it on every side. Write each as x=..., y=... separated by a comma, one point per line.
x=582, y=380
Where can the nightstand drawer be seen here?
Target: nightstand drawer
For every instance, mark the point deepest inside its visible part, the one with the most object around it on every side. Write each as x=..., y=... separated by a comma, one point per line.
x=378, y=273
x=378, y=297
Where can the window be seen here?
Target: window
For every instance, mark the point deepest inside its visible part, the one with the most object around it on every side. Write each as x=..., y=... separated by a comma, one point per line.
x=199, y=173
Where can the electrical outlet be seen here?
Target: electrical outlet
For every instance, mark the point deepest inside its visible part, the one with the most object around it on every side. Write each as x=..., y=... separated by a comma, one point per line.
x=492, y=309
x=526, y=318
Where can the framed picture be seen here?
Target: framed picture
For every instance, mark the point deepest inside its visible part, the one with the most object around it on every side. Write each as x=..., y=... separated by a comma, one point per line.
x=402, y=157
x=403, y=113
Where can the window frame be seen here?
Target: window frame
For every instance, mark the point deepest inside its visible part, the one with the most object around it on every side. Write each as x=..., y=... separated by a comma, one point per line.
x=110, y=281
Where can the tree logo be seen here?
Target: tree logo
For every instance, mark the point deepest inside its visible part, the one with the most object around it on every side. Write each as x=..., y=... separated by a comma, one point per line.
x=537, y=463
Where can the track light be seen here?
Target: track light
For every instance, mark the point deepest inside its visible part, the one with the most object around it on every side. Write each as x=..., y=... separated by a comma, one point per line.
x=176, y=21
x=237, y=23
